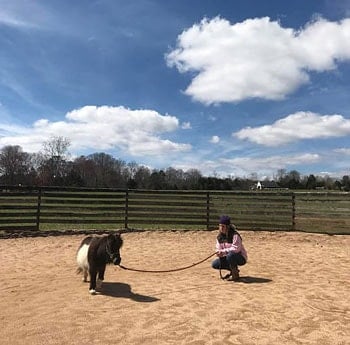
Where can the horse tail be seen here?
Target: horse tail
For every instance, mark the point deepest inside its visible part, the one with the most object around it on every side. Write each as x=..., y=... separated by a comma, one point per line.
x=82, y=258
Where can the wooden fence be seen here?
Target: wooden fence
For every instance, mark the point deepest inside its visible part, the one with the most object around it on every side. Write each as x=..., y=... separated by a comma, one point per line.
x=51, y=208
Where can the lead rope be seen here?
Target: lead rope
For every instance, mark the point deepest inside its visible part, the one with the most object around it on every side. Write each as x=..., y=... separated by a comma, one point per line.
x=166, y=271
x=221, y=276
x=220, y=270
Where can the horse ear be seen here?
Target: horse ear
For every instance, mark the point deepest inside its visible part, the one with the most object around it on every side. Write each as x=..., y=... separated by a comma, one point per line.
x=114, y=235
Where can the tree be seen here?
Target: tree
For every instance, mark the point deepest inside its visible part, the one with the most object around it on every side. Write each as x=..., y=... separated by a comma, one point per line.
x=281, y=174
x=56, y=147
x=289, y=179
x=107, y=171
x=293, y=179
x=14, y=165
x=174, y=178
x=54, y=168
x=328, y=182
x=157, y=179
x=142, y=177
x=129, y=175
x=84, y=171
x=102, y=168
x=311, y=182
x=192, y=177
x=337, y=185
x=346, y=183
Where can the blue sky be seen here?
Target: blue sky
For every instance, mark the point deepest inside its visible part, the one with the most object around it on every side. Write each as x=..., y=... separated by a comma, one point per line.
x=231, y=88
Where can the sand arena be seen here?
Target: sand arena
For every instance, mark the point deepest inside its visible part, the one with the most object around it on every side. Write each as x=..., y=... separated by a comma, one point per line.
x=294, y=290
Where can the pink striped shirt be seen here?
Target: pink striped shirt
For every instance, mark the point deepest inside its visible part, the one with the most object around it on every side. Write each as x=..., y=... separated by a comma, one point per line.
x=236, y=246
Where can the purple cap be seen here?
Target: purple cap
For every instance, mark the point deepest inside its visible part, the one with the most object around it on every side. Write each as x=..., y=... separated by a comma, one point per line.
x=225, y=220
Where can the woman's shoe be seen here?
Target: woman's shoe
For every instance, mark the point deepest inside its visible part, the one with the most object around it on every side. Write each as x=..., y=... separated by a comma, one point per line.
x=234, y=274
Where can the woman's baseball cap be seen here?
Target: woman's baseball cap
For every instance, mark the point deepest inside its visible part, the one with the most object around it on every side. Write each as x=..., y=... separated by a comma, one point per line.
x=225, y=220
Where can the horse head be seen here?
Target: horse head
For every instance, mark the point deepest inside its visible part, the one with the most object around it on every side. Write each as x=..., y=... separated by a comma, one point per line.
x=113, y=245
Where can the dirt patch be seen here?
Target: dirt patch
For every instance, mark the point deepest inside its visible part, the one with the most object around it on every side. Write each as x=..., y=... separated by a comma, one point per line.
x=294, y=290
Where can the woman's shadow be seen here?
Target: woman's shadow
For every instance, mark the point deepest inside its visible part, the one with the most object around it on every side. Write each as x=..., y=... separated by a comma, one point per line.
x=123, y=290
x=252, y=280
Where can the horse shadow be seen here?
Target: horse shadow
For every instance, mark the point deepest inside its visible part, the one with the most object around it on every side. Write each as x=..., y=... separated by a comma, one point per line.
x=253, y=280
x=122, y=290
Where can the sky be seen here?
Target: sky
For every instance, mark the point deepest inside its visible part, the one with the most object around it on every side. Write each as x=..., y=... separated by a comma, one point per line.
x=231, y=88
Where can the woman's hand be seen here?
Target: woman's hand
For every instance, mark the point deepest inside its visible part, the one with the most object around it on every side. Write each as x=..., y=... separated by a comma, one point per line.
x=220, y=254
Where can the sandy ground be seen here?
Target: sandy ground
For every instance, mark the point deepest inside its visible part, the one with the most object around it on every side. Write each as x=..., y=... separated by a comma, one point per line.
x=294, y=290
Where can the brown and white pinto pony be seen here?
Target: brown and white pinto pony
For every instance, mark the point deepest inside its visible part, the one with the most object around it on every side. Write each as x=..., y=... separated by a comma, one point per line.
x=94, y=253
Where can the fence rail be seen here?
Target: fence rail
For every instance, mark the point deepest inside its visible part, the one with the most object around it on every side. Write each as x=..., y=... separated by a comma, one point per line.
x=52, y=208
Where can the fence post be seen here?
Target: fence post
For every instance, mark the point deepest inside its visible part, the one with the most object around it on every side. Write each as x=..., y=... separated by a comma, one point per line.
x=38, y=210
x=293, y=212
x=126, y=209
x=208, y=210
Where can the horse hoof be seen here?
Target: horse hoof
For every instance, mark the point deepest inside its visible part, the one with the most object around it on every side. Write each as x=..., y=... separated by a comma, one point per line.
x=92, y=292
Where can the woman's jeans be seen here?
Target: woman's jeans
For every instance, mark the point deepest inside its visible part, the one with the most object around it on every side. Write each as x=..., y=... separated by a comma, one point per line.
x=230, y=260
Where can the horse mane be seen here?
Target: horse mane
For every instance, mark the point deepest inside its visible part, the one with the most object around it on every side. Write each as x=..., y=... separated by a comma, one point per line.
x=99, y=245
x=86, y=240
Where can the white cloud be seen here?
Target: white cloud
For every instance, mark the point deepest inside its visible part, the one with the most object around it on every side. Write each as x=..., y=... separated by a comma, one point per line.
x=272, y=163
x=244, y=166
x=23, y=14
x=6, y=19
x=298, y=126
x=101, y=128
x=186, y=125
x=343, y=150
x=214, y=139
x=257, y=58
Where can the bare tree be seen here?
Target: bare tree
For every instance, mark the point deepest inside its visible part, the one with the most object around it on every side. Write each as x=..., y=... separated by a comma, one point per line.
x=108, y=171
x=14, y=164
x=142, y=177
x=55, y=168
x=174, y=178
x=56, y=147
x=192, y=177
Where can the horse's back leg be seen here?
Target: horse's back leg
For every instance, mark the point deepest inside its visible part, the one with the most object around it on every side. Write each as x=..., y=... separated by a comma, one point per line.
x=85, y=274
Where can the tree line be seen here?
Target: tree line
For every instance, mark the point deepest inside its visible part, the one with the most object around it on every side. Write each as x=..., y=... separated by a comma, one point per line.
x=52, y=166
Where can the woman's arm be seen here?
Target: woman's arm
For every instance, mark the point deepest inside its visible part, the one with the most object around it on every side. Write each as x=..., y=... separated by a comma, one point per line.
x=236, y=245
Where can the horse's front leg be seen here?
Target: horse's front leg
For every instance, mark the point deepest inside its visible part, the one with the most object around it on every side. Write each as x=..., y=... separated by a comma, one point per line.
x=101, y=277
x=93, y=275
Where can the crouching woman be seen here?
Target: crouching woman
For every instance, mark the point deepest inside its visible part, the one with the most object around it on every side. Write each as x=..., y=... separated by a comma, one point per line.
x=229, y=250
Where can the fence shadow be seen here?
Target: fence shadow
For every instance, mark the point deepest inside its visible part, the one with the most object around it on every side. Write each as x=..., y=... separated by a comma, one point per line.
x=122, y=290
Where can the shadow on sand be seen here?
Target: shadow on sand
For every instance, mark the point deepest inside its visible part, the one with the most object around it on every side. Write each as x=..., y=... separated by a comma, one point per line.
x=123, y=290
x=253, y=280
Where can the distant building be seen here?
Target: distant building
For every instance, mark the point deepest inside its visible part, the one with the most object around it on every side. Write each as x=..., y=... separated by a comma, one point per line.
x=265, y=185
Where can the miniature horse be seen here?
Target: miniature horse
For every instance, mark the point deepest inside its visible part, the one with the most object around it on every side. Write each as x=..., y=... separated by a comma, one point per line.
x=93, y=255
